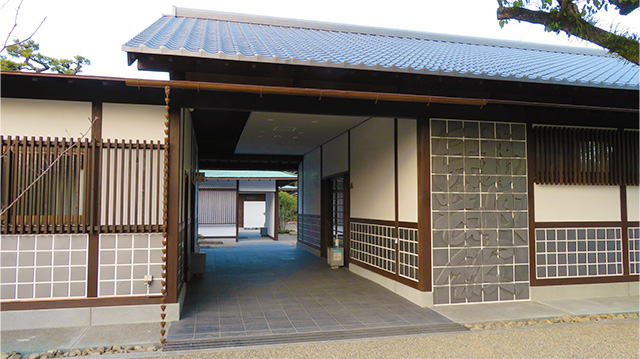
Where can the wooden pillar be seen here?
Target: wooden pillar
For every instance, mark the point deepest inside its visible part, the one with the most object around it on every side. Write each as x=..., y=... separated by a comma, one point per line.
x=173, y=205
x=424, y=206
x=95, y=200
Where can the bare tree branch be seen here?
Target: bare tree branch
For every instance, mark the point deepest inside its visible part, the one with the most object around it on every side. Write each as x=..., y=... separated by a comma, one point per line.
x=575, y=26
x=15, y=24
x=26, y=189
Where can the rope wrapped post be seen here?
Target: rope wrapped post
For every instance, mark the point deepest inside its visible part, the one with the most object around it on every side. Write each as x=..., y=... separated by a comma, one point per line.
x=165, y=210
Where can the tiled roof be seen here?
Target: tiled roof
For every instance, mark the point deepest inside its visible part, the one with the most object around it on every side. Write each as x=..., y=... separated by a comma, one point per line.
x=217, y=35
x=240, y=174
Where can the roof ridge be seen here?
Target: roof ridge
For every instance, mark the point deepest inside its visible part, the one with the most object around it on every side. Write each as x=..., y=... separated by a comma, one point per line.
x=372, y=30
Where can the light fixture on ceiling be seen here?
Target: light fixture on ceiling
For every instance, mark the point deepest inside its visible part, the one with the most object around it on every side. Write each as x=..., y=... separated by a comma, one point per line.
x=284, y=128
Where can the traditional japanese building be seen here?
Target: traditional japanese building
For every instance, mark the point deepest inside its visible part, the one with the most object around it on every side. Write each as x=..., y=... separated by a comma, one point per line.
x=450, y=169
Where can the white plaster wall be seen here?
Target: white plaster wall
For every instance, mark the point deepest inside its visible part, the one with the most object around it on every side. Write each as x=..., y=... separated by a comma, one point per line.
x=270, y=214
x=633, y=203
x=254, y=214
x=135, y=122
x=311, y=199
x=217, y=230
x=46, y=118
x=335, y=156
x=257, y=186
x=372, y=170
x=407, y=171
x=555, y=203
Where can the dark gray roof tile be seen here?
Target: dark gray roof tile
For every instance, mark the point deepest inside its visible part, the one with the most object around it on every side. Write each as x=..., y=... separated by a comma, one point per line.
x=264, y=39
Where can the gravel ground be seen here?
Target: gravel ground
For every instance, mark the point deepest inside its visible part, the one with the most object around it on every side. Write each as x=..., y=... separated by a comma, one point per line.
x=606, y=339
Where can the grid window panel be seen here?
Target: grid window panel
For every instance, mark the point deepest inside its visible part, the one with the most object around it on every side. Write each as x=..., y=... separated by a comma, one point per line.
x=374, y=244
x=578, y=252
x=43, y=266
x=479, y=211
x=311, y=229
x=408, y=253
x=124, y=260
x=634, y=250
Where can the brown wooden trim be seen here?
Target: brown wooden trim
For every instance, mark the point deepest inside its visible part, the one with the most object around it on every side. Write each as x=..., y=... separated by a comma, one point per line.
x=173, y=219
x=80, y=303
x=625, y=230
x=424, y=205
x=326, y=209
x=339, y=174
x=396, y=201
x=633, y=224
x=412, y=225
x=585, y=280
x=346, y=212
x=92, y=265
x=380, y=222
x=392, y=276
x=96, y=199
x=532, y=158
x=576, y=224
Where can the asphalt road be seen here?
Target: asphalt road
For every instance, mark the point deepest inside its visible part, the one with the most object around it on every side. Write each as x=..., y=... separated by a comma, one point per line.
x=605, y=339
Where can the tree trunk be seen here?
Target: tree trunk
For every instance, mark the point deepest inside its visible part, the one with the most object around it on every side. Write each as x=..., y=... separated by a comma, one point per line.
x=575, y=26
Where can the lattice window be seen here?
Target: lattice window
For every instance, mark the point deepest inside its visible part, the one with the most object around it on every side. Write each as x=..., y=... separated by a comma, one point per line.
x=374, y=244
x=44, y=266
x=578, y=252
x=124, y=261
x=634, y=250
x=408, y=253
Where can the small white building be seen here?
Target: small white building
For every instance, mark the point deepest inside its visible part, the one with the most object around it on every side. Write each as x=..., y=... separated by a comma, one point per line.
x=231, y=200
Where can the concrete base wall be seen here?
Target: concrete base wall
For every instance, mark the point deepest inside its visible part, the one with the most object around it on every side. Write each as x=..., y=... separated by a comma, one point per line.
x=423, y=299
x=89, y=316
x=583, y=291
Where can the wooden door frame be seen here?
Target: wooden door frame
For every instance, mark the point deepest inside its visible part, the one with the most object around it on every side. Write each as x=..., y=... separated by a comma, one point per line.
x=326, y=210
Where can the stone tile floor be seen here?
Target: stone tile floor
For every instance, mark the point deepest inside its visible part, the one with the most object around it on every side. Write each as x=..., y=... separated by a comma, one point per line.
x=262, y=287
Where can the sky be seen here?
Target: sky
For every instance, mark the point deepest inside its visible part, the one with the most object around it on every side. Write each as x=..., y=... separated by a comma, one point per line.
x=98, y=29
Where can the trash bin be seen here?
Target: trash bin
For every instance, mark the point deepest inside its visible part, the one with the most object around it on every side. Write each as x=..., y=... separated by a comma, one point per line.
x=335, y=257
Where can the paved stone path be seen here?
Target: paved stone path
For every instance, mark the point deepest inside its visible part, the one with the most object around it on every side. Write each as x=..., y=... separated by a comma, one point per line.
x=264, y=288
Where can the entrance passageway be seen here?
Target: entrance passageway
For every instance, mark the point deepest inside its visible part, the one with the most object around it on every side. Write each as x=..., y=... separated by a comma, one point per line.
x=262, y=288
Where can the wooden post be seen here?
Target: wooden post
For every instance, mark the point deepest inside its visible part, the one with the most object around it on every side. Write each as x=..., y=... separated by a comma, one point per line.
x=94, y=199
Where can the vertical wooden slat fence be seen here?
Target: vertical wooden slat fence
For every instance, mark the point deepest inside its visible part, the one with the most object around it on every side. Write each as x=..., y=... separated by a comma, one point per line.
x=585, y=156
x=52, y=186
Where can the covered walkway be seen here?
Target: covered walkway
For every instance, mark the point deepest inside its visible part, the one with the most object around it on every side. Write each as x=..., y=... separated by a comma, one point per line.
x=263, y=288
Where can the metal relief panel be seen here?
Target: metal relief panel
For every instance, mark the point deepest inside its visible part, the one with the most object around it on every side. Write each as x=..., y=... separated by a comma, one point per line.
x=479, y=211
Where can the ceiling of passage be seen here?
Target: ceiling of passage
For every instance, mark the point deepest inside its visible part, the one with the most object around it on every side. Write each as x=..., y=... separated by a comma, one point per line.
x=289, y=133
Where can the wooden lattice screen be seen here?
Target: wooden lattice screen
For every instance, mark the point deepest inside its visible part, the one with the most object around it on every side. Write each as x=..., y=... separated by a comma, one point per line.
x=60, y=185
x=585, y=156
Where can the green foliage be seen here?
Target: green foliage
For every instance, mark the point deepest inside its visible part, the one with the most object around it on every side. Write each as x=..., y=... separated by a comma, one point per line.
x=288, y=209
x=25, y=56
